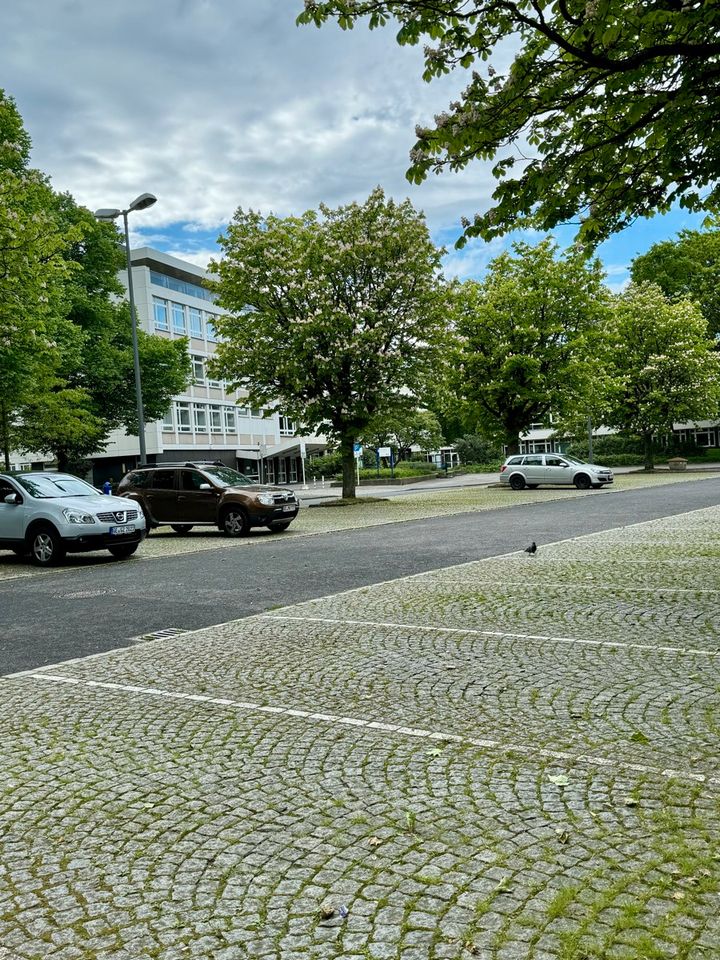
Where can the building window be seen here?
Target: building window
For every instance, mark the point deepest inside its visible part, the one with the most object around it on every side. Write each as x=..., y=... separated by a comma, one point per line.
x=161, y=314
x=210, y=329
x=243, y=411
x=168, y=423
x=215, y=418
x=198, y=368
x=287, y=427
x=230, y=422
x=254, y=412
x=200, y=417
x=217, y=384
x=196, y=328
x=182, y=413
x=178, y=318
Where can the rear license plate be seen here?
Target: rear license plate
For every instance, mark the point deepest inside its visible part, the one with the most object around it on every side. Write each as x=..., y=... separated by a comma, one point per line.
x=288, y=508
x=121, y=531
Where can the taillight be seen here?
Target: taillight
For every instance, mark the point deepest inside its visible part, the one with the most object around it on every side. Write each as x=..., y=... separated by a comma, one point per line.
x=503, y=468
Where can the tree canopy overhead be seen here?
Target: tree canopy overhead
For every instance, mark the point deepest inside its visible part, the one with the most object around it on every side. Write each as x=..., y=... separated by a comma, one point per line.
x=609, y=110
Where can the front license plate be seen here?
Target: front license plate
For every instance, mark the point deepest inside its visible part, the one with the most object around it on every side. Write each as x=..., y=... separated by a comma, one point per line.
x=288, y=508
x=120, y=531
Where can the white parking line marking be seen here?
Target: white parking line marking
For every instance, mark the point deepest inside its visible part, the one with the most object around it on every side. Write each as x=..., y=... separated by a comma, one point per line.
x=390, y=728
x=700, y=651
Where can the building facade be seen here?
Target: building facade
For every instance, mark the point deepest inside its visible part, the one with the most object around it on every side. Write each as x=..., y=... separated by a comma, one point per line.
x=207, y=421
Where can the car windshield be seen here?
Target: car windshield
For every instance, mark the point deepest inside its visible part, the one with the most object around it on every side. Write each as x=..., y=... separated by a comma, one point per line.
x=227, y=477
x=48, y=487
x=572, y=459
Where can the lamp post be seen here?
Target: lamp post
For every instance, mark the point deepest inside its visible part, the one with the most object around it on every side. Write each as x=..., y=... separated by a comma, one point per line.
x=142, y=202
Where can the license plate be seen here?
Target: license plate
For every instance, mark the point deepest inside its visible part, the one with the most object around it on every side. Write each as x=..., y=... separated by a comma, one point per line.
x=120, y=531
x=288, y=508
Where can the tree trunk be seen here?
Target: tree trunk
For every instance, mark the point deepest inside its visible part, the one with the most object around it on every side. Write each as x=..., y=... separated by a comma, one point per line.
x=347, y=451
x=512, y=445
x=649, y=451
x=62, y=461
x=5, y=428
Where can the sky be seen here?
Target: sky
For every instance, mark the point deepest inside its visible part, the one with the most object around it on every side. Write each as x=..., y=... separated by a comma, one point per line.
x=213, y=105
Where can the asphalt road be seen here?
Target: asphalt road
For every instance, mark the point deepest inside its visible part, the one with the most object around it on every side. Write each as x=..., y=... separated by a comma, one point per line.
x=73, y=613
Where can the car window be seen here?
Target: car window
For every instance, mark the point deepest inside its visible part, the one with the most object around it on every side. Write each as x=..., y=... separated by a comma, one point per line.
x=140, y=479
x=47, y=487
x=573, y=459
x=163, y=480
x=227, y=477
x=6, y=489
x=554, y=462
x=513, y=461
x=191, y=480
x=534, y=461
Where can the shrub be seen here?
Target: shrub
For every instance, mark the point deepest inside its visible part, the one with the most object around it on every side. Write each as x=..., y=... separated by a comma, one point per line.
x=327, y=466
x=472, y=448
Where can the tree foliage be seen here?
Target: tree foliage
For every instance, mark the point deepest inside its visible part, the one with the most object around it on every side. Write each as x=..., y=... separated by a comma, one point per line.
x=610, y=110
x=335, y=317
x=661, y=365
x=403, y=430
x=686, y=268
x=527, y=339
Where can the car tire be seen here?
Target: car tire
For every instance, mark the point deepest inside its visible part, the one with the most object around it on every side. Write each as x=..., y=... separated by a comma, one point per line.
x=123, y=551
x=277, y=527
x=234, y=522
x=181, y=527
x=46, y=547
x=582, y=481
x=517, y=482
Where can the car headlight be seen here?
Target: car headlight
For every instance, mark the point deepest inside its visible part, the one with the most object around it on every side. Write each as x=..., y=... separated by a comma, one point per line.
x=75, y=516
x=266, y=498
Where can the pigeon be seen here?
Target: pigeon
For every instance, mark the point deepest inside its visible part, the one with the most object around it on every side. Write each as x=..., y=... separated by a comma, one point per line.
x=532, y=548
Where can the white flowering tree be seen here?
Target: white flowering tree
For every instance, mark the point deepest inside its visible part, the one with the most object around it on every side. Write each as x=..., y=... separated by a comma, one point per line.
x=335, y=317
x=662, y=365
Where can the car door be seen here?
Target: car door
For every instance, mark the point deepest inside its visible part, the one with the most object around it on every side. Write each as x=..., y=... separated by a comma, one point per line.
x=533, y=469
x=557, y=470
x=161, y=496
x=195, y=504
x=12, y=515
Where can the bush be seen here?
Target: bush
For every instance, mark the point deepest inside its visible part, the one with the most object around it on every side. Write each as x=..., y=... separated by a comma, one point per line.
x=405, y=468
x=327, y=466
x=472, y=448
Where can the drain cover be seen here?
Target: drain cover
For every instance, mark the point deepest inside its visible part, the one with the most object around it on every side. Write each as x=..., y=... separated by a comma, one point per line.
x=159, y=634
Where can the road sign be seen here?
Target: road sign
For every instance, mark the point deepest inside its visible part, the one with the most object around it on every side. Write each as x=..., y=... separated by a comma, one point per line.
x=357, y=449
x=384, y=452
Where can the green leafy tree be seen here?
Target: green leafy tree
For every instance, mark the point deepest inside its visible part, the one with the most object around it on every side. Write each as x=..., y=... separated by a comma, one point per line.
x=336, y=317
x=91, y=390
x=610, y=110
x=661, y=365
x=411, y=428
x=32, y=275
x=527, y=336
x=686, y=268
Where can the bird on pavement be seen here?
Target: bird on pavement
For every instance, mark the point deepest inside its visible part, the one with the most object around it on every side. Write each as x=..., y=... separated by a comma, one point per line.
x=532, y=548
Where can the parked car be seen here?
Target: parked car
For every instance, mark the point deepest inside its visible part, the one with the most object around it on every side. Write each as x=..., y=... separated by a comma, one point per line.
x=185, y=495
x=532, y=469
x=48, y=515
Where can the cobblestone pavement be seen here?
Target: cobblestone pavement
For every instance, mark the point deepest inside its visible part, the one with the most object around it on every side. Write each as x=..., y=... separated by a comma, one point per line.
x=164, y=542
x=513, y=758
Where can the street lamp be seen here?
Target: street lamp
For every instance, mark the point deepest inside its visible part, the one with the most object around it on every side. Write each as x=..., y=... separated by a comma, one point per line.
x=142, y=202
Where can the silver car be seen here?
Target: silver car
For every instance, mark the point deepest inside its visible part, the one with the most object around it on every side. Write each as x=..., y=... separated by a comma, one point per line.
x=50, y=514
x=532, y=469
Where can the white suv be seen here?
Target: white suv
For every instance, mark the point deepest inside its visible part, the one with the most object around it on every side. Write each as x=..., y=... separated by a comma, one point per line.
x=532, y=469
x=50, y=514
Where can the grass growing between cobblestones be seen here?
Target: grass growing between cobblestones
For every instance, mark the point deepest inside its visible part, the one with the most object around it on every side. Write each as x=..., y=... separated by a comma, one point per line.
x=513, y=759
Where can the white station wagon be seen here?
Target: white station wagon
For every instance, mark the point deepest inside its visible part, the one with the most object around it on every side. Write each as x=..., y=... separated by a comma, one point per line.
x=532, y=469
x=48, y=515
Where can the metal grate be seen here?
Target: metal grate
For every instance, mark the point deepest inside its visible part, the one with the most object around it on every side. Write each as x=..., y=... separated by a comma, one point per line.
x=120, y=516
x=160, y=634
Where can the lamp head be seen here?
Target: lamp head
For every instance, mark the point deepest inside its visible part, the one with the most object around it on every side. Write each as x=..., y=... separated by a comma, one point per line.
x=142, y=202
x=107, y=214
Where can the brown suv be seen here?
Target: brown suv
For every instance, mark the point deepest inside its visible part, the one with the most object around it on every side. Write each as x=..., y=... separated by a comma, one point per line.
x=185, y=495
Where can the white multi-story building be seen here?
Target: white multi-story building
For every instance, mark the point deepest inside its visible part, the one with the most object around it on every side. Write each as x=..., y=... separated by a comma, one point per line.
x=207, y=421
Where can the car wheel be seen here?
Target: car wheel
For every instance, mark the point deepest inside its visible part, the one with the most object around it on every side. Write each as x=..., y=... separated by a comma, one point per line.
x=234, y=523
x=181, y=527
x=517, y=482
x=276, y=527
x=582, y=481
x=46, y=547
x=122, y=552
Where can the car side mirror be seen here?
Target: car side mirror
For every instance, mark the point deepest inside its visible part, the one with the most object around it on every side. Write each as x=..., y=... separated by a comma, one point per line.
x=205, y=486
x=13, y=499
